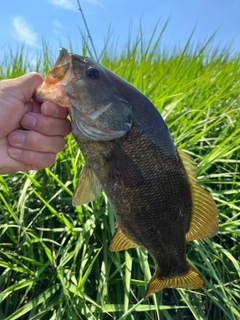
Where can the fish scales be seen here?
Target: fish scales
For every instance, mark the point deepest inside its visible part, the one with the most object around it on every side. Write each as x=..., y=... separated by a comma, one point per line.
x=153, y=152
x=129, y=152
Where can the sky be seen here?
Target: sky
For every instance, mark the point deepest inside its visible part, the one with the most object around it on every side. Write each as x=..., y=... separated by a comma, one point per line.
x=56, y=21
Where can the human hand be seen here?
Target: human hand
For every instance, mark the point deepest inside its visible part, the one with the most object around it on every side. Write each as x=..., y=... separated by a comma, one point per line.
x=45, y=126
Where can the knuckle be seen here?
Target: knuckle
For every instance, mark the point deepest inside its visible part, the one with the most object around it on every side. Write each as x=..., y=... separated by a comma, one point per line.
x=28, y=157
x=38, y=160
x=32, y=140
x=48, y=126
x=67, y=127
x=60, y=145
x=48, y=160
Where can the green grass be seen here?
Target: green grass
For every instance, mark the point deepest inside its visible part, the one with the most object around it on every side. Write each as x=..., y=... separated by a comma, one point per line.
x=54, y=258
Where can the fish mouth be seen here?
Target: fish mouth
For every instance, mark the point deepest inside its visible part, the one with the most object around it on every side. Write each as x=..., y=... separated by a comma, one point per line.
x=63, y=58
x=57, y=79
x=34, y=97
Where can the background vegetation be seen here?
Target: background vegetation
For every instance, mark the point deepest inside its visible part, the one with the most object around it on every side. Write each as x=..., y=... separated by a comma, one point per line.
x=54, y=258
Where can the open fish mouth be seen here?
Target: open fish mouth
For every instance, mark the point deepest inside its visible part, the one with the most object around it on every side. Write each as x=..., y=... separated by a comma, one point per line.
x=74, y=83
x=53, y=88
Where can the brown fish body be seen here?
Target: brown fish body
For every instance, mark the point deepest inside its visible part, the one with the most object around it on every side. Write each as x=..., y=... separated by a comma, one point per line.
x=130, y=153
x=141, y=192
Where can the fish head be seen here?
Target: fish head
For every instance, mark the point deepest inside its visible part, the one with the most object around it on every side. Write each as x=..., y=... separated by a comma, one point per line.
x=84, y=86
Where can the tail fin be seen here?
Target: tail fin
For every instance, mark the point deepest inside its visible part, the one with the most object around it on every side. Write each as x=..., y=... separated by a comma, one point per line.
x=190, y=280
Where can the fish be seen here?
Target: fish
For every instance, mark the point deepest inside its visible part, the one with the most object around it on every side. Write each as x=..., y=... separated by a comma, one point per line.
x=130, y=155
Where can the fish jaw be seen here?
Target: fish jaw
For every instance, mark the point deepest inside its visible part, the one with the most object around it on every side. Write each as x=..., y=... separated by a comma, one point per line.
x=52, y=93
x=55, y=86
x=84, y=86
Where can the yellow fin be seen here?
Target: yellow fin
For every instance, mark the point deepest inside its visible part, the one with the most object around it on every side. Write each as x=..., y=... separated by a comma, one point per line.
x=204, y=219
x=121, y=242
x=88, y=187
x=188, y=163
x=190, y=280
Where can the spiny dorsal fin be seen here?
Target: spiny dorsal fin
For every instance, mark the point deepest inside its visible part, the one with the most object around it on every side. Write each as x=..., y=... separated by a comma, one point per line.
x=120, y=241
x=190, y=280
x=204, y=219
x=88, y=187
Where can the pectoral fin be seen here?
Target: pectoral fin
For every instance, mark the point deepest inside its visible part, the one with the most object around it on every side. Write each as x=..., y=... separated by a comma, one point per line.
x=204, y=219
x=88, y=187
x=121, y=242
x=190, y=280
x=122, y=169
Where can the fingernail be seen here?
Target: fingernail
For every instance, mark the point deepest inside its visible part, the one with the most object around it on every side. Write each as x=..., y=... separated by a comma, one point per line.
x=49, y=110
x=14, y=152
x=17, y=137
x=28, y=121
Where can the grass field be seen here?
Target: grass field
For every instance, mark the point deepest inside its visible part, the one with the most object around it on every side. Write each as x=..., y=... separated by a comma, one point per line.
x=54, y=258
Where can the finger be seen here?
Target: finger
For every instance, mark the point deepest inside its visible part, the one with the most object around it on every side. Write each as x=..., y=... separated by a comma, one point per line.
x=32, y=106
x=53, y=110
x=28, y=84
x=34, y=141
x=30, y=160
x=46, y=125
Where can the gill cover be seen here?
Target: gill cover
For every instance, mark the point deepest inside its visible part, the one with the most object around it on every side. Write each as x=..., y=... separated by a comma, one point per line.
x=110, y=120
x=98, y=111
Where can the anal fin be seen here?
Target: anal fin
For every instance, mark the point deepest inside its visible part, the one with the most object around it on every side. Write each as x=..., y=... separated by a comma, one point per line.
x=121, y=242
x=190, y=280
x=88, y=187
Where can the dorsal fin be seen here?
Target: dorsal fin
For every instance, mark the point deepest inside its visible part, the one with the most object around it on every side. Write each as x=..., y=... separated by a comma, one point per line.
x=188, y=163
x=120, y=241
x=204, y=219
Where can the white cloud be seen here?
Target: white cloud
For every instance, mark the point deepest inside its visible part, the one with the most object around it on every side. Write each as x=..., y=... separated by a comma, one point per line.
x=57, y=24
x=65, y=4
x=23, y=32
x=70, y=4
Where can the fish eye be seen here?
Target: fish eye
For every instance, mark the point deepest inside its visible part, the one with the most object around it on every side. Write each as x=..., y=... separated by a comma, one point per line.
x=93, y=73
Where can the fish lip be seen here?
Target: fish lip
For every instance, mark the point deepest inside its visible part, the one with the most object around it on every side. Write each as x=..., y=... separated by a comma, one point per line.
x=34, y=96
x=37, y=98
x=63, y=57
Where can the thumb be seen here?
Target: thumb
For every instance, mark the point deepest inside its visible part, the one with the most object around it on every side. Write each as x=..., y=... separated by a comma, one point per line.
x=27, y=85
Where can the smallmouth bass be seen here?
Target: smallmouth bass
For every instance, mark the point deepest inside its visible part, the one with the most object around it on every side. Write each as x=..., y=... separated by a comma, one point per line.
x=130, y=154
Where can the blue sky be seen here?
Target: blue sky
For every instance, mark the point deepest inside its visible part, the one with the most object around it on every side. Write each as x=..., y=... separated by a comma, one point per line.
x=56, y=20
